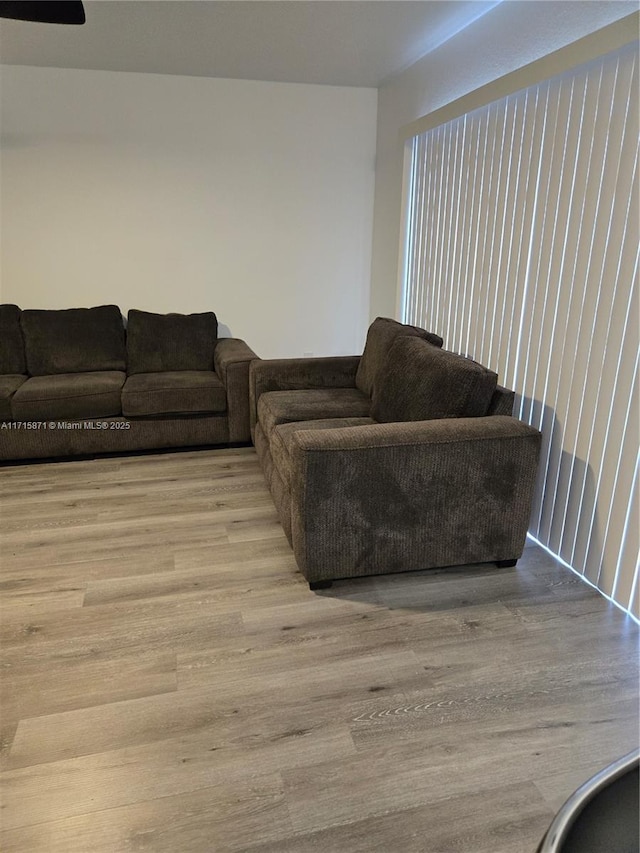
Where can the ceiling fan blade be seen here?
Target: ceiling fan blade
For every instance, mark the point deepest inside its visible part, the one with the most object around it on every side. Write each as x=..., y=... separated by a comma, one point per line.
x=47, y=12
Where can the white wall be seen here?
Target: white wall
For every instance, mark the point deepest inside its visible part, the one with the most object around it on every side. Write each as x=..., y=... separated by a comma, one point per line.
x=254, y=200
x=509, y=36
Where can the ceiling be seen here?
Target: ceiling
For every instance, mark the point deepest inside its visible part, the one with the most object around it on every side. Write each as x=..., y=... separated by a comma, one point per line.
x=333, y=42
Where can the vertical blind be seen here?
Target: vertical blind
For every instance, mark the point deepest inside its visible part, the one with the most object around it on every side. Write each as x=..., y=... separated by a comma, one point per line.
x=522, y=252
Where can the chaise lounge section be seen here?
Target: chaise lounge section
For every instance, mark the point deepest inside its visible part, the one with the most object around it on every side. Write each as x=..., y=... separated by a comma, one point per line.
x=405, y=458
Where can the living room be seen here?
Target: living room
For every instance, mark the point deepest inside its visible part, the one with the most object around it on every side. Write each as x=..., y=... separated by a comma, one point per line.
x=135, y=173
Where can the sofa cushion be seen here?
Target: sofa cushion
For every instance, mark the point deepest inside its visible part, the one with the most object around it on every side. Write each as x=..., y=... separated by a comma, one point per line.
x=382, y=333
x=175, y=392
x=420, y=382
x=279, y=407
x=73, y=340
x=69, y=395
x=282, y=435
x=12, y=359
x=166, y=342
x=9, y=384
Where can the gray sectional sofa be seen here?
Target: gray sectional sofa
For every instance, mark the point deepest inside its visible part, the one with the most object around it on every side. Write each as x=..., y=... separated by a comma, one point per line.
x=404, y=458
x=73, y=382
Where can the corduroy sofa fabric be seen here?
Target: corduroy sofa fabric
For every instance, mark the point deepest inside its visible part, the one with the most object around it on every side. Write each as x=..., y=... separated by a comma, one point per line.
x=502, y=401
x=167, y=342
x=177, y=392
x=291, y=374
x=400, y=497
x=12, y=357
x=113, y=435
x=420, y=382
x=69, y=395
x=231, y=359
x=73, y=340
x=75, y=410
x=9, y=384
x=282, y=435
x=447, y=480
x=278, y=407
x=381, y=335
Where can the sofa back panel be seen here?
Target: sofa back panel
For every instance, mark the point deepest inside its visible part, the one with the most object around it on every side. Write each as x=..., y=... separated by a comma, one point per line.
x=420, y=382
x=166, y=342
x=381, y=335
x=502, y=401
x=12, y=358
x=73, y=340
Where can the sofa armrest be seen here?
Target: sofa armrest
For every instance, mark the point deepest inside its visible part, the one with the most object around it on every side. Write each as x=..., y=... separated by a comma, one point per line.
x=502, y=401
x=293, y=374
x=400, y=496
x=231, y=360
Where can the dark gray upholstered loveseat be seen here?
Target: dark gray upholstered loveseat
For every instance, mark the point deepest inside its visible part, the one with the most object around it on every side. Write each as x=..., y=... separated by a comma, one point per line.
x=72, y=382
x=404, y=458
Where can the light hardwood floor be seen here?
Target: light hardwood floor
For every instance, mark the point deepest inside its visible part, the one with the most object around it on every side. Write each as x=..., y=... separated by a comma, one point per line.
x=169, y=682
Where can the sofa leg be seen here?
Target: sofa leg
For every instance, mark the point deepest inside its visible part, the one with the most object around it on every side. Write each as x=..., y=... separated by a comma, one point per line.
x=506, y=564
x=313, y=585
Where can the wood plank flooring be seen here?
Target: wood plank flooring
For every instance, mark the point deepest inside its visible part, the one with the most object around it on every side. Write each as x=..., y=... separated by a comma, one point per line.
x=169, y=682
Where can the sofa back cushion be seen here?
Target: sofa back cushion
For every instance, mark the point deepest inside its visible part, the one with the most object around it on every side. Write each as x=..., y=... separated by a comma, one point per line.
x=162, y=342
x=12, y=359
x=73, y=340
x=382, y=333
x=420, y=382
